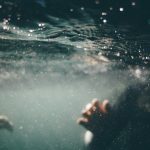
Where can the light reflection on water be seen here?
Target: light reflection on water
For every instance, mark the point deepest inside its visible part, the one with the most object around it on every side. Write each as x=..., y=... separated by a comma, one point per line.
x=49, y=71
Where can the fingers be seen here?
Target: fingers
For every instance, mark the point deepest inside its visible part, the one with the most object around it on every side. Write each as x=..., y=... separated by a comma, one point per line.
x=3, y=119
x=96, y=107
x=5, y=123
x=86, y=111
x=91, y=108
x=94, y=113
x=87, y=114
x=105, y=106
x=83, y=121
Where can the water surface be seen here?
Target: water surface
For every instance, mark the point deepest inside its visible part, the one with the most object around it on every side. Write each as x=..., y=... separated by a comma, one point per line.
x=49, y=69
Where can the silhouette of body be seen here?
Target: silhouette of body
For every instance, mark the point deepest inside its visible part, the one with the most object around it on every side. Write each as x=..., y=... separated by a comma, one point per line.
x=123, y=126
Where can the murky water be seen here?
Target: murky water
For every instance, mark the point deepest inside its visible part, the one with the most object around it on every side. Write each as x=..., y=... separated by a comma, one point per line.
x=50, y=70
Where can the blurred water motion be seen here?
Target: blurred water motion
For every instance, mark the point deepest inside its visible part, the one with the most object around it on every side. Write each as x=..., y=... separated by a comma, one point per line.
x=55, y=60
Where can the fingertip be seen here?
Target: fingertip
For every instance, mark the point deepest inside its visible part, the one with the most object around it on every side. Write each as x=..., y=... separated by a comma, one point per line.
x=78, y=121
x=82, y=121
x=105, y=102
x=106, y=105
x=83, y=111
x=88, y=106
x=95, y=101
x=3, y=118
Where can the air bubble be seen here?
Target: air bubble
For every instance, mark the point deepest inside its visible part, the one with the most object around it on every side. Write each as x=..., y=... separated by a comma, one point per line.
x=133, y=3
x=41, y=24
x=31, y=30
x=29, y=35
x=21, y=127
x=104, y=21
x=111, y=8
x=121, y=9
x=104, y=13
x=118, y=54
x=82, y=8
x=5, y=28
x=97, y=2
x=71, y=10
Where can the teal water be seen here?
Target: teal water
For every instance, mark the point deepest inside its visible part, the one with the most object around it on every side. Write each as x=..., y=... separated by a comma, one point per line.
x=50, y=70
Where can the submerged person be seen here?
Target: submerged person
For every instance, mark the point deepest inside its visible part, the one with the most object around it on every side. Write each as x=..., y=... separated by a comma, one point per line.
x=122, y=126
x=5, y=123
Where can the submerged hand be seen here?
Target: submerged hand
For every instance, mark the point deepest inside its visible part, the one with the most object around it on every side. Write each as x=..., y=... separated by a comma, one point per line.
x=5, y=123
x=94, y=115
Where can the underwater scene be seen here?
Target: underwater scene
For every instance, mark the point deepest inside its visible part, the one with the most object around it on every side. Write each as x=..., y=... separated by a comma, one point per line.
x=57, y=55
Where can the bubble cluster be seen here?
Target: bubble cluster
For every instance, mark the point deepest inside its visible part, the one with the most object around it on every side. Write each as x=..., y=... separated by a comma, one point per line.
x=133, y=3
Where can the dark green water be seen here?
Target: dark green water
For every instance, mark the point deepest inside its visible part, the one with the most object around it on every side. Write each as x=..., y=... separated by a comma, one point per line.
x=49, y=69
